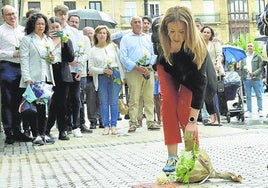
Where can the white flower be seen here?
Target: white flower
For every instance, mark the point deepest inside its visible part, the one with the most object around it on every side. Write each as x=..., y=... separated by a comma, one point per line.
x=47, y=46
x=146, y=53
x=161, y=178
x=68, y=34
x=108, y=61
x=80, y=44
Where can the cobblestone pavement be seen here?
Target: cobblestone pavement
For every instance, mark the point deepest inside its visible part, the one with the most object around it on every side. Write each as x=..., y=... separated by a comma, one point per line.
x=124, y=160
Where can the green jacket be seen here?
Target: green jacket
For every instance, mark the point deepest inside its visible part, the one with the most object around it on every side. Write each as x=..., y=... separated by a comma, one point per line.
x=256, y=64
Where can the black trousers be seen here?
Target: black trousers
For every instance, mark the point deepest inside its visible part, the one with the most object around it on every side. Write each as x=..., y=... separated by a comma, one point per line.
x=11, y=96
x=57, y=111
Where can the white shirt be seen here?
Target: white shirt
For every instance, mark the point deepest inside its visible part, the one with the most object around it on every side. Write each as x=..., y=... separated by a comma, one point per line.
x=77, y=38
x=98, y=61
x=10, y=39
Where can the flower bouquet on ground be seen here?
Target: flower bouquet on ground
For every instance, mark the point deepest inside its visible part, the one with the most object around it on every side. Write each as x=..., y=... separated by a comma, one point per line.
x=195, y=166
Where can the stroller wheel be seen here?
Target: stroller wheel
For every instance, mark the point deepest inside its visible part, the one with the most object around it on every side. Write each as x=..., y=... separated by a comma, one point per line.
x=228, y=116
x=242, y=117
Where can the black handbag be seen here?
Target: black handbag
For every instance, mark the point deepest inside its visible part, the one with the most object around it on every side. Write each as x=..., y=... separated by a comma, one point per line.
x=27, y=108
x=220, y=86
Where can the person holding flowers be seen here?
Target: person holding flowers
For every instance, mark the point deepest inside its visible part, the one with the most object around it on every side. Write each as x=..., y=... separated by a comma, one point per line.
x=137, y=56
x=76, y=67
x=107, y=76
x=36, y=55
x=185, y=72
x=62, y=76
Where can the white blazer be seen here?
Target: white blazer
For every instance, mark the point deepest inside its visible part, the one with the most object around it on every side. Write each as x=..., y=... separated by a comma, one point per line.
x=31, y=60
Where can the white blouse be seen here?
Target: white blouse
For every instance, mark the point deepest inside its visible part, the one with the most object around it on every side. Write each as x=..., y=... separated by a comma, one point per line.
x=99, y=59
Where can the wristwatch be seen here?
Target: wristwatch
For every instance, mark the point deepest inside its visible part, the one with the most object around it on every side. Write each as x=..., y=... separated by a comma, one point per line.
x=192, y=119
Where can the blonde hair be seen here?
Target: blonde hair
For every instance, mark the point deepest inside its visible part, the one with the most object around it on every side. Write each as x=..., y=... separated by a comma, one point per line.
x=61, y=8
x=193, y=43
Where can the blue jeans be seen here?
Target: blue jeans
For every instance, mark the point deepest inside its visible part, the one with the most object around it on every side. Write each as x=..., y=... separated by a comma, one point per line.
x=108, y=95
x=257, y=86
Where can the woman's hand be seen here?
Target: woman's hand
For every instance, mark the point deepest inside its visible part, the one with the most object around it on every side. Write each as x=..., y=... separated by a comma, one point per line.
x=190, y=136
x=29, y=82
x=108, y=71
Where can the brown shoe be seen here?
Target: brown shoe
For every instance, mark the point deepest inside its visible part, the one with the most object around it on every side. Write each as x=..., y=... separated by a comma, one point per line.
x=132, y=127
x=152, y=126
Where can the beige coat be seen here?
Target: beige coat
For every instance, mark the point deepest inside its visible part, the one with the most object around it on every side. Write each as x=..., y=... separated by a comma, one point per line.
x=215, y=52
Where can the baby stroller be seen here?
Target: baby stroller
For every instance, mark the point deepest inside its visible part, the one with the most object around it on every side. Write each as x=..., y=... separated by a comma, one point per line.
x=231, y=90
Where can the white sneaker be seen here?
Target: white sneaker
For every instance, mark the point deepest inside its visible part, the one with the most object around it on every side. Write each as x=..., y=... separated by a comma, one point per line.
x=260, y=113
x=38, y=141
x=248, y=114
x=77, y=133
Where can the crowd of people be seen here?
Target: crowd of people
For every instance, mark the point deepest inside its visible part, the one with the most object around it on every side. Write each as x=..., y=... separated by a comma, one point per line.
x=86, y=69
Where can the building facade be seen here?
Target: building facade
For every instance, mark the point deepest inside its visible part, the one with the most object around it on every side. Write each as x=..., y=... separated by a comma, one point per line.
x=229, y=18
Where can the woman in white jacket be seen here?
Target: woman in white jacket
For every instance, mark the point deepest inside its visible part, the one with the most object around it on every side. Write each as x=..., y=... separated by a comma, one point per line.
x=107, y=76
x=36, y=58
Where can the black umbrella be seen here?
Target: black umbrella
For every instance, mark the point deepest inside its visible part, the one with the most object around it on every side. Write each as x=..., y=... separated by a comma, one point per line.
x=261, y=38
x=93, y=18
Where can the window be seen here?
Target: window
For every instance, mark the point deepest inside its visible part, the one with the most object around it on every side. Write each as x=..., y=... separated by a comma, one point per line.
x=34, y=5
x=154, y=9
x=131, y=10
x=208, y=7
x=70, y=4
x=186, y=3
x=238, y=9
x=95, y=5
x=259, y=6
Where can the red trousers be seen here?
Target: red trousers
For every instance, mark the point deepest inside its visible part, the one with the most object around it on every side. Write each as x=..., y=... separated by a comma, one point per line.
x=176, y=106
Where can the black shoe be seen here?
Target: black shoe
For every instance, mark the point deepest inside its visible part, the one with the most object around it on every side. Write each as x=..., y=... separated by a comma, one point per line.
x=20, y=137
x=119, y=118
x=9, y=139
x=127, y=116
x=101, y=126
x=70, y=130
x=92, y=126
x=63, y=136
x=84, y=129
x=27, y=133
